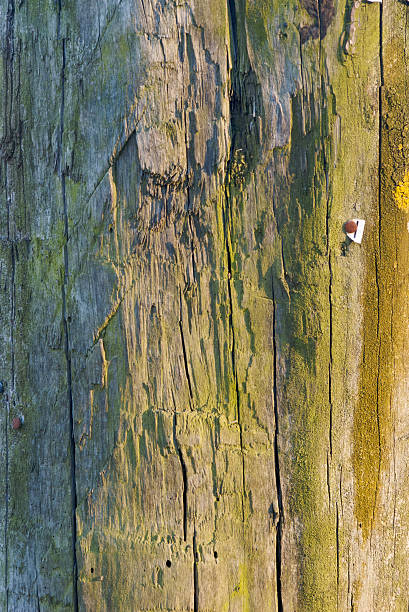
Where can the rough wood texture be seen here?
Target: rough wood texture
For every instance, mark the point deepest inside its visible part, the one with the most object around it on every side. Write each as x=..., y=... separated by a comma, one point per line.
x=213, y=380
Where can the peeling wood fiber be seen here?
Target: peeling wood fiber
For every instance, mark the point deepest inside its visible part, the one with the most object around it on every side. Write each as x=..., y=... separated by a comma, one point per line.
x=213, y=378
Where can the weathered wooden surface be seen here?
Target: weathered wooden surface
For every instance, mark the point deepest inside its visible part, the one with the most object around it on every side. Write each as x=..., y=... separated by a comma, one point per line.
x=213, y=381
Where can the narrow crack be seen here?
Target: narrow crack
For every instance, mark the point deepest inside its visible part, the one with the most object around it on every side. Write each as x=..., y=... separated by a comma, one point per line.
x=13, y=318
x=10, y=404
x=188, y=169
x=226, y=212
x=380, y=144
x=7, y=143
x=280, y=523
x=378, y=257
x=234, y=366
x=331, y=340
x=184, y=476
x=192, y=246
x=378, y=290
x=184, y=471
x=330, y=270
x=189, y=205
x=302, y=83
x=38, y=608
x=65, y=323
x=319, y=20
x=189, y=383
x=328, y=481
x=6, y=152
x=340, y=491
x=195, y=573
x=231, y=7
x=185, y=362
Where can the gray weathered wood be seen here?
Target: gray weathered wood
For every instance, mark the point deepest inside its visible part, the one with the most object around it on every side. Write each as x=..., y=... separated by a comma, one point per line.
x=213, y=379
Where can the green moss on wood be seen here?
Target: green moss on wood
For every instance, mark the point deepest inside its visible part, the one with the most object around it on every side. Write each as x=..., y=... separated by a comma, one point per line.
x=383, y=300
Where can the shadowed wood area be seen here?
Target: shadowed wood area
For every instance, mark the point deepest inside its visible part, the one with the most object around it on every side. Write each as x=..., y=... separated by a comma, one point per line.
x=211, y=378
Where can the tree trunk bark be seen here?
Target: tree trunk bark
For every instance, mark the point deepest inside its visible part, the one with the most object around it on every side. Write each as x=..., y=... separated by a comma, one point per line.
x=211, y=377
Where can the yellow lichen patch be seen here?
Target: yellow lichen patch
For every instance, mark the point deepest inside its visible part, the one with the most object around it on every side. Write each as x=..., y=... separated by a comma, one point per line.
x=402, y=194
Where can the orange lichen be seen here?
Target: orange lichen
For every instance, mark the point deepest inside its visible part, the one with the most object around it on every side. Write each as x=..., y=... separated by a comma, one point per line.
x=402, y=193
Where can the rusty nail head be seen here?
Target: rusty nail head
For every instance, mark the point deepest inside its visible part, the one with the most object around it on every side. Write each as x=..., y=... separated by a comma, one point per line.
x=351, y=226
x=16, y=423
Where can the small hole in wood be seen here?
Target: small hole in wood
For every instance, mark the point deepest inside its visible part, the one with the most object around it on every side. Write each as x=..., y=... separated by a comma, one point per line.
x=168, y=563
x=215, y=554
x=92, y=570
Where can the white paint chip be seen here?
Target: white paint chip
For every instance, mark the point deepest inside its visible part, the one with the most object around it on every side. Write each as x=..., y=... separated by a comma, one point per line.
x=358, y=235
